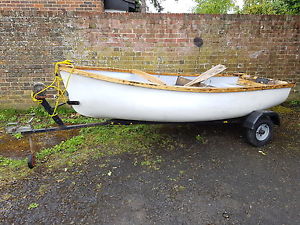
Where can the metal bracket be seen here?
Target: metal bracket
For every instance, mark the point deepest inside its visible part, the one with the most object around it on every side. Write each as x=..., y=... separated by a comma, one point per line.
x=15, y=130
x=73, y=102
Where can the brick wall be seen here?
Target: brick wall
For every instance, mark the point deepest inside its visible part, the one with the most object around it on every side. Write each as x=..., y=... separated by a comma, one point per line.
x=30, y=41
x=53, y=5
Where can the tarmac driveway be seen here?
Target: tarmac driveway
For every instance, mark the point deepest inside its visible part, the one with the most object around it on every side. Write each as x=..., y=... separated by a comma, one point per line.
x=217, y=179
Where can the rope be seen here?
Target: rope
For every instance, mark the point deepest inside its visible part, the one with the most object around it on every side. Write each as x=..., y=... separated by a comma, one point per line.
x=56, y=84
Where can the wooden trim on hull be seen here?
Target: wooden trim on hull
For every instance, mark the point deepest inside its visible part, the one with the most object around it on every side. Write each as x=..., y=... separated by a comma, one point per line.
x=251, y=86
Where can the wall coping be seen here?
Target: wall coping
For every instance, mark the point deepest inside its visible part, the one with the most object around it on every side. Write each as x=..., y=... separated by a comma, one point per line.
x=38, y=13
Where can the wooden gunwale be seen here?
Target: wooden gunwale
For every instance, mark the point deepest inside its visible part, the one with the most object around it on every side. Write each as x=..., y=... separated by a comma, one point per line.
x=257, y=87
x=152, y=73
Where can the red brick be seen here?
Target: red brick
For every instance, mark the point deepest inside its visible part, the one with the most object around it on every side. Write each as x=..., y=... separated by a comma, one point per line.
x=161, y=42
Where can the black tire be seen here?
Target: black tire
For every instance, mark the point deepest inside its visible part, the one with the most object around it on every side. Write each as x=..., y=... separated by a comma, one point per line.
x=262, y=132
x=31, y=161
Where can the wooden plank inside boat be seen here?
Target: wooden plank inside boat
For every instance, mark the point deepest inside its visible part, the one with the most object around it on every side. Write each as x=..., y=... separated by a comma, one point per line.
x=209, y=73
x=148, y=77
x=181, y=81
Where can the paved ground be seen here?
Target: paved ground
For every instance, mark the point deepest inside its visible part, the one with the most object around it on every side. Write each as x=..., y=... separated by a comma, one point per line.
x=217, y=180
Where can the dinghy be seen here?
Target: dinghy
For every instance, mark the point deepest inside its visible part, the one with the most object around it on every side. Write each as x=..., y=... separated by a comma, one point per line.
x=134, y=96
x=166, y=97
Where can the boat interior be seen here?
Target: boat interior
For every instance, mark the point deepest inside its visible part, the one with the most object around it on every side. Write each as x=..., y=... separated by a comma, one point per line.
x=210, y=81
x=217, y=81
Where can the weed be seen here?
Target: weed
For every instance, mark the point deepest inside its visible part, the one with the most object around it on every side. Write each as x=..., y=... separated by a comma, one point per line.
x=69, y=146
x=98, y=187
x=91, y=142
x=33, y=205
x=12, y=163
x=295, y=102
x=201, y=139
x=179, y=188
x=181, y=172
x=8, y=115
x=281, y=109
x=18, y=135
x=37, y=111
x=152, y=162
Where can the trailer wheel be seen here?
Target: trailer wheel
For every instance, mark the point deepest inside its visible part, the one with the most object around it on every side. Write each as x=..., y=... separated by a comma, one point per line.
x=262, y=132
x=31, y=161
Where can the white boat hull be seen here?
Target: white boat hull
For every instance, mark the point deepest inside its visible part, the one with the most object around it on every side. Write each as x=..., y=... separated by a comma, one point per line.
x=103, y=99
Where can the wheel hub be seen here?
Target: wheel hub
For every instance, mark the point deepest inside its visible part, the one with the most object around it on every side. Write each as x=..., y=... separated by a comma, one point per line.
x=262, y=132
